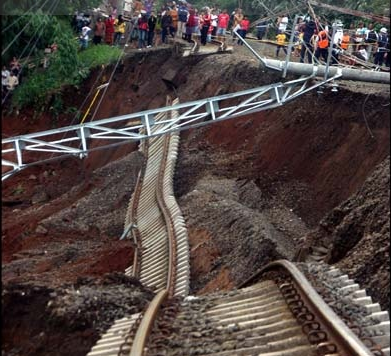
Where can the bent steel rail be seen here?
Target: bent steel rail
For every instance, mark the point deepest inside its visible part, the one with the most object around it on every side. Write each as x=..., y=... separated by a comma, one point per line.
x=340, y=334
x=146, y=324
x=331, y=337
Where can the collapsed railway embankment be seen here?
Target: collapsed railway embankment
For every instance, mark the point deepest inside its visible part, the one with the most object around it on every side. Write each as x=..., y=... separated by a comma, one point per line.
x=251, y=190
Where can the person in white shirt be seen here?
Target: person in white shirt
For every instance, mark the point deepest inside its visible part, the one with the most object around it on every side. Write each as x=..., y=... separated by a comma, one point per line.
x=84, y=36
x=5, y=73
x=338, y=26
x=362, y=53
x=337, y=41
x=283, y=24
x=214, y=24
x=12, y=81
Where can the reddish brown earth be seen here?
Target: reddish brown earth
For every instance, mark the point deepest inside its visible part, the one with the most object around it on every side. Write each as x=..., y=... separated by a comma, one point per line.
x=251, y=190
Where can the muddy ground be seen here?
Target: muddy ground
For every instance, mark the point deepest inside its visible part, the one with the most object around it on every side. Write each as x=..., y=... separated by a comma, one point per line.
x=252, y=190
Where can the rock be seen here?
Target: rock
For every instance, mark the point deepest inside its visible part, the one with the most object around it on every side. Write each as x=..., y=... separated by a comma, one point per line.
x=196, y=334
x=228, y=345
x=41, y=230
x=241, y=337
x=39, y=197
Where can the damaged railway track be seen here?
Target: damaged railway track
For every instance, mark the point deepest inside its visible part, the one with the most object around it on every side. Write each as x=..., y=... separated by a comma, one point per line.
x=284, y=309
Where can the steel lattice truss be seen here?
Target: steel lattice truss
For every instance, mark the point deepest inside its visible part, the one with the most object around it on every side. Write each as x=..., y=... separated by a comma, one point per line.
x=36, y=148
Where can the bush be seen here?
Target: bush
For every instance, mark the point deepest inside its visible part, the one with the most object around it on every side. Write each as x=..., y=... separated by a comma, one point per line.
x=35, y=89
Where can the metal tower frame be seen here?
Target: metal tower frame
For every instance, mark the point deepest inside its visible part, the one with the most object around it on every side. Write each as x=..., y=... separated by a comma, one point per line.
x=36, y=148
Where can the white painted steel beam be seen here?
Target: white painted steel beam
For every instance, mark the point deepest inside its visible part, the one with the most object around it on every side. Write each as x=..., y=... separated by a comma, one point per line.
x=77, y=140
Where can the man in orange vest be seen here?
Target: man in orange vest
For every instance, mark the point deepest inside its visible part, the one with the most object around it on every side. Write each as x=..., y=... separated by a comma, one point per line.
x=322, y=45
x=345, y=40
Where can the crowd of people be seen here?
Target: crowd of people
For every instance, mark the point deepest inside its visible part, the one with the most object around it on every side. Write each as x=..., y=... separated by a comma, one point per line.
x=181, y=20
x=147, y=28
x=314, y=40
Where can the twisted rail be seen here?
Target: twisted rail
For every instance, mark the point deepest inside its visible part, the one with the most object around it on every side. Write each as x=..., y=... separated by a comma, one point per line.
x=161, y=256
x=234, y=316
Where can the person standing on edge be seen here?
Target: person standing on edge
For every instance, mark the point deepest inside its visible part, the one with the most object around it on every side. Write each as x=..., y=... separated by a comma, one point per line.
x=119, y=27
x=151, y=29
x=282, y=24
x=166, y=25
x=99, y=31
x=306, y=46
x=214, y=18
x=371, y=38
x=222, y=24
x=345, y=40
x=5, y=74
x=12, y=81
x=174, y=17
x=387, y=55
x=84, y=37
x=281, y=38
x=322, y=45
x=133, y=37
x=206, y=22
x=197, y=22
x=183, y=15
x=109, y=25
x=336, y=35
x=238, y=17
x=158, y=28
x=382, y=43
x=190, y=25
x=142, y=29
x=244, y=27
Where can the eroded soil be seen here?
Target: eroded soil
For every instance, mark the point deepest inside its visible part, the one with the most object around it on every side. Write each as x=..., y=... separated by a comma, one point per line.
x=251, y=190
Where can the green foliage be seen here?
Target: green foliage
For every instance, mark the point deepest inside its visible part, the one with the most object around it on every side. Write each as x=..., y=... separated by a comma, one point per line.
x=63, y=70
x=95, y=56
x=34, y=90
x=65, y=60
x=67, y=66
x=56, y=105
x=18, y=190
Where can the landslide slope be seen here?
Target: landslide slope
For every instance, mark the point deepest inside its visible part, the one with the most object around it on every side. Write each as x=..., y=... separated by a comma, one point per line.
x=250, y=189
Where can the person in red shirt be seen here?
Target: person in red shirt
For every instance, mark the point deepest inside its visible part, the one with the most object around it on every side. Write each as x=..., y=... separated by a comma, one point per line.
x=190, y=25
x=244, y=27
x=109, y=24
x=222, y=24
x=99, y=31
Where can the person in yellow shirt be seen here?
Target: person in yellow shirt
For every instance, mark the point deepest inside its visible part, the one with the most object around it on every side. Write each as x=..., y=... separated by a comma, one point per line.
x=119, y=28
x=281, y=38
x=298, y=44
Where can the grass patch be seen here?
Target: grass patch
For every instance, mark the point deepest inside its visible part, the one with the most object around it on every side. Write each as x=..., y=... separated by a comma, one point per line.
x=95, y=56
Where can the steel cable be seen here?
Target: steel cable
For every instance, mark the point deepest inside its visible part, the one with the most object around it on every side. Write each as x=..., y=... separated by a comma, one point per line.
x=18, y=18
x=20, y=32
x=53, y=6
